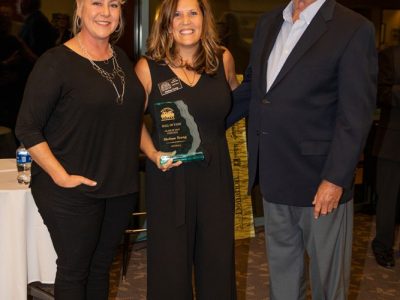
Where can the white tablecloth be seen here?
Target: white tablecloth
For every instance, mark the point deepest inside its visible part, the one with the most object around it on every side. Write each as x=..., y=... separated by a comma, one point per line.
x=26, y=251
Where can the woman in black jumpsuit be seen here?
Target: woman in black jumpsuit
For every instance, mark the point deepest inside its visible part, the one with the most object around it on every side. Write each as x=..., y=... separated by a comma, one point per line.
x=190, y=205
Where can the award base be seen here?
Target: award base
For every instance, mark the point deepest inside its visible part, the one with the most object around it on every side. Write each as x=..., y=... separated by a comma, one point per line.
x=182, y=157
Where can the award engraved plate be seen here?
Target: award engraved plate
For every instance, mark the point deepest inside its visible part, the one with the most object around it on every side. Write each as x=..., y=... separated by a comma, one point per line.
x=177, y=131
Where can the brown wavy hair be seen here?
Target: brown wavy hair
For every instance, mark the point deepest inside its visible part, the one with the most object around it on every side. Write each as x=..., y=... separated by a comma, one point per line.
x=161, y=48
x=77, y=23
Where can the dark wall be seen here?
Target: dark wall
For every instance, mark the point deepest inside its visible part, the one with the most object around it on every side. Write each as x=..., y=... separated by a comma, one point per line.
x=387, y=4
x=126, y=42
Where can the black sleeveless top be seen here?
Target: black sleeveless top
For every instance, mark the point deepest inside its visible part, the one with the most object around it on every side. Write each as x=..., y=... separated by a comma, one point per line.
x=209, y=102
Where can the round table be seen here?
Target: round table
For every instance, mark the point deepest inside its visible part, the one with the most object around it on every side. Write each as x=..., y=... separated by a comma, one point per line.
x=26, y=251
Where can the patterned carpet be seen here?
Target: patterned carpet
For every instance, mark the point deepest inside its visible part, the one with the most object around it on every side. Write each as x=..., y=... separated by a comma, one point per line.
x=368, y=281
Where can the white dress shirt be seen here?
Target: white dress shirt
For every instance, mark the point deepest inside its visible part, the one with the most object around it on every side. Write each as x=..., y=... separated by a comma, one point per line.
x=288, y=37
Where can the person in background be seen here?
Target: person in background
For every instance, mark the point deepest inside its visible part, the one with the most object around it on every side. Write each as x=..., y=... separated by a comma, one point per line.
x=7, y=9
x=229, y=33
x=14, y=56
x=190, y=206
x=10, y=49
x=80, y=120
x=310, y=92
x=62, y=24
x=37, y=32
x=387, y=149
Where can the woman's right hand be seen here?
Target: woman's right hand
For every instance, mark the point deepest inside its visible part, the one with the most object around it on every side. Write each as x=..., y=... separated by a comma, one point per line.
x=156, y=158
x=45, y=158
x=147, y=146
x=71, y=181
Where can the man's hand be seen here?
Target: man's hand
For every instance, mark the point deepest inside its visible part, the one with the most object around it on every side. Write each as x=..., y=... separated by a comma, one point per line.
x=327, y=198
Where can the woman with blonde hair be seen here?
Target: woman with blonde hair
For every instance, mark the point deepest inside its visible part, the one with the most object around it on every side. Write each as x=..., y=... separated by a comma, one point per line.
x=81, y=120
x=190, y=205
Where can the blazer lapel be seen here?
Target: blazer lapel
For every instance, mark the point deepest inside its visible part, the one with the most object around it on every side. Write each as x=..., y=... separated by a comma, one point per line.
x=268, y=45
x=313, y=32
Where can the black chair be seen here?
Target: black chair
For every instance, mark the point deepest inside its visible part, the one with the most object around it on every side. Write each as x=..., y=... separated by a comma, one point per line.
x=138, y=219
x=134, y=229
x=40, y=291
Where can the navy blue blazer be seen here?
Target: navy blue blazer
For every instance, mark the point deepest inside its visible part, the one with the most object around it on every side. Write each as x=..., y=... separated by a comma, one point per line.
x=313, y=122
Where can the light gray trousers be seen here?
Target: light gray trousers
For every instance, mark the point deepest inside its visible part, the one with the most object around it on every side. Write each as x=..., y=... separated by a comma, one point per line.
x=291, y=232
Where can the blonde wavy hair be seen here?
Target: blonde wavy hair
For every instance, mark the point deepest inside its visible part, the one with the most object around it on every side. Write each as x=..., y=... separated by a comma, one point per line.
x=77, y=23
x=161, y=47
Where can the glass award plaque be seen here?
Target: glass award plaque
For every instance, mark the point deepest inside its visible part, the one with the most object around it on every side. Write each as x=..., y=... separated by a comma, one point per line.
x=177, y=131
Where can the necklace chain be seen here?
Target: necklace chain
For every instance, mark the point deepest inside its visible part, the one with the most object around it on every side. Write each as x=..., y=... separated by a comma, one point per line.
x=117, y=71
x=191, y=83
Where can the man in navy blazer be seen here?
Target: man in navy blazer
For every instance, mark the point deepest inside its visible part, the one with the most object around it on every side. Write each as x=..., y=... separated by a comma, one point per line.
x=309, y=92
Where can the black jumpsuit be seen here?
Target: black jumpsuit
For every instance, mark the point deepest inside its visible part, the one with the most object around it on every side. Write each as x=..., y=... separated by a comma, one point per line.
x=191, y=207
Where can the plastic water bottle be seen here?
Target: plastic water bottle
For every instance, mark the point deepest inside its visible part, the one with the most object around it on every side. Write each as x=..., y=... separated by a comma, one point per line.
x=24, y=161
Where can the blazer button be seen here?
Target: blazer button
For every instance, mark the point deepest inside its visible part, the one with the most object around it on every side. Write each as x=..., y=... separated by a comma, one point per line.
x=265, y=101
x=261, y=132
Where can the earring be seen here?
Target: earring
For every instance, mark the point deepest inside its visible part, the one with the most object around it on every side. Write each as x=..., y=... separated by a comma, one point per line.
x=78, y=23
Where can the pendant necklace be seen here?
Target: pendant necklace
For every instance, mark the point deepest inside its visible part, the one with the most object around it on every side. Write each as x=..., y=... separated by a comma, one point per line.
x=117, y=71
x=191, y=83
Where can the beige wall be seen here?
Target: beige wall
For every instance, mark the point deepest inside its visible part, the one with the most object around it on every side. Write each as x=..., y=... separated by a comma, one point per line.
x=255, y=5
x=58, y=6
x=220, y=6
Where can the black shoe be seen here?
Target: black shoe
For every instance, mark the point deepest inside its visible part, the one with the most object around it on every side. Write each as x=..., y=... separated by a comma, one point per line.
x=383, y=257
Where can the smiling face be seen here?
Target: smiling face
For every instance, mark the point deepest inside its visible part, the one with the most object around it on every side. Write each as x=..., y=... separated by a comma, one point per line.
x=187, y=24
x=99, y=18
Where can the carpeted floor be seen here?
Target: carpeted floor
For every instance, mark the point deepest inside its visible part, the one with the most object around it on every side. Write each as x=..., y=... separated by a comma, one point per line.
x=368, y=281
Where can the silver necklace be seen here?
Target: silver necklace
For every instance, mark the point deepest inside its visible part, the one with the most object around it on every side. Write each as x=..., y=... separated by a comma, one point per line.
x=117, y=71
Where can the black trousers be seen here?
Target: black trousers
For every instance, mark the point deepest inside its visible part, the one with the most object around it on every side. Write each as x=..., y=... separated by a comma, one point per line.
x=201, y=249
x=388, y=190
x=85, y=233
